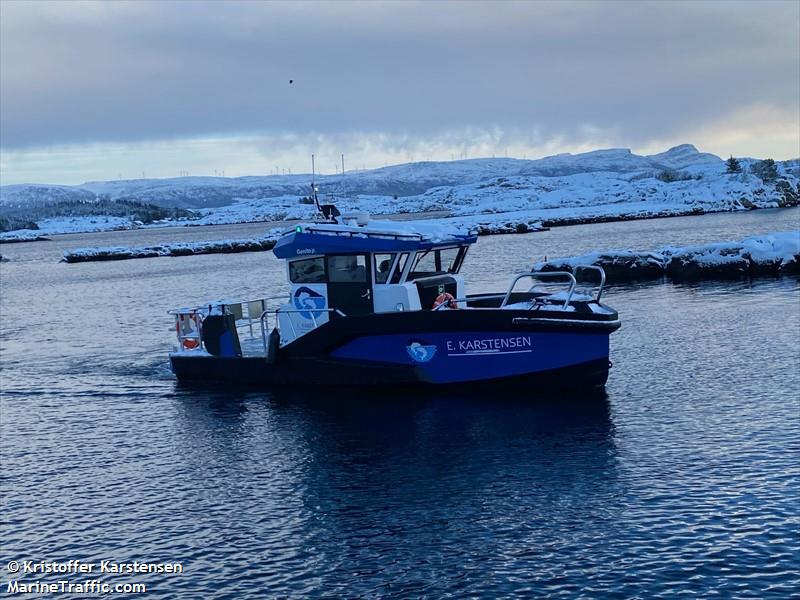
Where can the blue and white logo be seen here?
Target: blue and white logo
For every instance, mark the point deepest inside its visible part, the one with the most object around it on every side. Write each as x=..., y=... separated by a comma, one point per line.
x=309, y=303
x=420, y=353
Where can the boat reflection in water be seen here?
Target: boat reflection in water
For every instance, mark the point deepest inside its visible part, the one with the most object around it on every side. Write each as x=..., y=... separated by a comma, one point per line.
x=386, y=485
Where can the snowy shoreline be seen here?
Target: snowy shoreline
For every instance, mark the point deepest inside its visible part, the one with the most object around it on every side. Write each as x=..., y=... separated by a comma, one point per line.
x=485, y=223
x=177, y=249
x=22, y=235
x=482, y=225
x=769, y=255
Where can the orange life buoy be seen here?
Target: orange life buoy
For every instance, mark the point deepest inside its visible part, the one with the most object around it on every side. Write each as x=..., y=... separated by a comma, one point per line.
x=445, y=298
x=192, y=327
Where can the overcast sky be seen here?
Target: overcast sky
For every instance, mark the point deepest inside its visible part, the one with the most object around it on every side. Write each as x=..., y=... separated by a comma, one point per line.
x=99, y=90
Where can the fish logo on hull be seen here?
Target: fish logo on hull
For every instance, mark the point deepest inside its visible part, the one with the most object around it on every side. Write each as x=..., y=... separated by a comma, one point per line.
x=309, y=303
x=421, y=353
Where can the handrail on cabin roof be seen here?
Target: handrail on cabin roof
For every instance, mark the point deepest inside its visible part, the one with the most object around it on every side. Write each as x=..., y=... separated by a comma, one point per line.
x=374, y=234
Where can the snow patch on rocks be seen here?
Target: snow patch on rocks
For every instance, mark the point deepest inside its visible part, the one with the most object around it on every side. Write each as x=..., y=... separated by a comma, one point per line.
x=772, y=254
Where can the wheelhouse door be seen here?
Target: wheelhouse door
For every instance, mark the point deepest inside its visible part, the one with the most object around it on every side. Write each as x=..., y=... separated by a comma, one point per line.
x=350, y=284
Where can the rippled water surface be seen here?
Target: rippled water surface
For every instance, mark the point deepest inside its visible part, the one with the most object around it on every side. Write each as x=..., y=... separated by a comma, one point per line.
x=680, y=481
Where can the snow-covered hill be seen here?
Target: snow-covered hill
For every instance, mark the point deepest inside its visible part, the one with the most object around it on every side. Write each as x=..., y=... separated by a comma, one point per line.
x=31, y=195
x=600, y=183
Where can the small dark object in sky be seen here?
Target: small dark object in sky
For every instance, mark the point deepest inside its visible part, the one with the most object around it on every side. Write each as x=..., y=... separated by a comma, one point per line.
x=291, y=81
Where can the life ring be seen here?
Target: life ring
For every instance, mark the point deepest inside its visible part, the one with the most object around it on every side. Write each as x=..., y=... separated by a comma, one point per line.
x=445, y=298
x=192, y=327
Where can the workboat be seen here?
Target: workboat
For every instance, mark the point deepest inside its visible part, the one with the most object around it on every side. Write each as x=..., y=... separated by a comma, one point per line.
x=385, y=303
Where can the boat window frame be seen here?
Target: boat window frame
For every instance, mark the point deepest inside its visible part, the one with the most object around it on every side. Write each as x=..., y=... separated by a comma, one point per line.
x=375, y=278
x=457, y=259
x=398, y=269
x=366, y=266
x=306, y=259
x=420, y=255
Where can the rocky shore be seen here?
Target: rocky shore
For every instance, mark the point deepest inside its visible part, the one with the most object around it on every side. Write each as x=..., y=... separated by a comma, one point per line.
x=178, y=249
x=492, y=226
x=18, y=237
x=770, y=255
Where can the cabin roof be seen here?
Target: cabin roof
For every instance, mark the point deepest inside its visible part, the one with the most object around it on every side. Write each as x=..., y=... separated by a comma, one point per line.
x=377, y=236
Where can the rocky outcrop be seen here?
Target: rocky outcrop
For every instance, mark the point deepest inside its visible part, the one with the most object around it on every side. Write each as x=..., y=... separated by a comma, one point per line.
x=693, y=267
x=619, y=266
x=770, y=255
x=123, y=253
x=19, y=239
x=789, y=195
x=508, y=227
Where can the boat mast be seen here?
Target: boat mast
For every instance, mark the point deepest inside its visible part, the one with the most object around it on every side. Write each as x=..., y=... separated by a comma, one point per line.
x=343, y=188
x=314, y=187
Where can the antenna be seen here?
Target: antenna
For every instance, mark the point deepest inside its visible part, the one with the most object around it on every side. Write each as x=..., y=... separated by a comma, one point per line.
x=341, y=186
x=314, y=187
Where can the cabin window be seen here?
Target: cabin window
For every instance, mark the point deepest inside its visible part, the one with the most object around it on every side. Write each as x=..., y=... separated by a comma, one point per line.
x=383, y=266
x=437, y=262
x=449, y=260
x=310, y=270
x=398, y=269
x=424, y=265
x=347, y=268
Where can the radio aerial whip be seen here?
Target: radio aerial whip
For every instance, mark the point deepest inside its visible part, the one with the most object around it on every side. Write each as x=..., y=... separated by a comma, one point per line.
x=314, y=187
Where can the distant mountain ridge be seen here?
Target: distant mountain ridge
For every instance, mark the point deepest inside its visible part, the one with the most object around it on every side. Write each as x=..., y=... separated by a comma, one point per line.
x=407, y=179
x=679, y=177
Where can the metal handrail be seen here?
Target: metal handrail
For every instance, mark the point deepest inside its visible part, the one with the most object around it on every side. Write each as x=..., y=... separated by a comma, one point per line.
x=202, y=308
x=602, y=277
x=542, y=275
x=532, y=275
x=368, y=234
x=264, y=327
x=470, y=299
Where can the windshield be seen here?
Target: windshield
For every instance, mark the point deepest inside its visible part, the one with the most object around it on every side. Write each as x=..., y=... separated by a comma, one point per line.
x=437, y=262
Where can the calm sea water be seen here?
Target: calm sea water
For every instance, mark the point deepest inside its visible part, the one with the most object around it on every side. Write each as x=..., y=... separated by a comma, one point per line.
x=681, y=480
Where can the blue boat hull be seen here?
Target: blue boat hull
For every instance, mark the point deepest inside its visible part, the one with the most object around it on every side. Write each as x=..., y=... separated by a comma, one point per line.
x=254, y=372
x=476, y=356
x=456, y=348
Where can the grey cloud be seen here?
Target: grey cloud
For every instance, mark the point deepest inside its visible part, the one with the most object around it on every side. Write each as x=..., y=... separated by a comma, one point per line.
x=74, y=72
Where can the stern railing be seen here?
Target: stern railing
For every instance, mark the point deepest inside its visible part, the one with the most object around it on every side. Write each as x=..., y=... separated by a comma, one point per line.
x=247, y=314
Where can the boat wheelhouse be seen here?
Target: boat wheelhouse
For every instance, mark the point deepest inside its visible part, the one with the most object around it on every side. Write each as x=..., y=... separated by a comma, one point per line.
x=385, y=303
x=363, y=270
